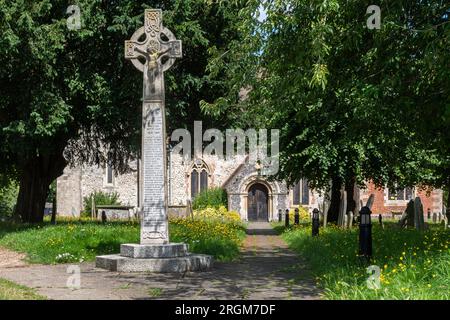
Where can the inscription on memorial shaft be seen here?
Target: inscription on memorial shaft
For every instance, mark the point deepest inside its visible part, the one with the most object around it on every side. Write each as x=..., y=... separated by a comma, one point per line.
x=154, y=220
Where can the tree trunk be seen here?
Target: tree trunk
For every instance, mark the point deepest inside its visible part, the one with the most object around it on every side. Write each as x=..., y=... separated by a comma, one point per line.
x=350, y=188
x=36, y=175
x=333, y=211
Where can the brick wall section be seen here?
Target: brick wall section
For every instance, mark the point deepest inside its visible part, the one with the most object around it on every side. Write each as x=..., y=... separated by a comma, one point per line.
x=433, y=200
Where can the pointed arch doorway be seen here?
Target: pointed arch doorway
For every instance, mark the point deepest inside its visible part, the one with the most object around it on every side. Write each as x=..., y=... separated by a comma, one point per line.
x=257, y=203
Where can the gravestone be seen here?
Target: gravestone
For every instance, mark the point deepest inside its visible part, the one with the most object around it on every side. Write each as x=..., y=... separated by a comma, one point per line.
x=157, y=46
x=342, y=209
x=419, y=222
x=324, y=209
x=402, y=221
x=434, y=217
x=410, y=213
x=350, y=220
x=370, y=201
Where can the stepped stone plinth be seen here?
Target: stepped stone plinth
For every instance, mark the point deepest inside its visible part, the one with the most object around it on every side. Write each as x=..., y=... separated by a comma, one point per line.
x=172, y=257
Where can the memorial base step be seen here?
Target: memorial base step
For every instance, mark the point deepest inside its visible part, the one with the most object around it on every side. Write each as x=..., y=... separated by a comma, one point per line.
x=190, y=262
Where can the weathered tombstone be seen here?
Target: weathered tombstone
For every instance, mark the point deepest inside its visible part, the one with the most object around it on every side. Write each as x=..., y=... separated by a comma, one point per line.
x=345, y=221
x=370, y=201
x=326, y=206
x=280, y=215
x=342, y=209
x=418, y=214
x=157, y=45
x=403, y=219
x=350, y=220
x=410, y=213
x=434, y=217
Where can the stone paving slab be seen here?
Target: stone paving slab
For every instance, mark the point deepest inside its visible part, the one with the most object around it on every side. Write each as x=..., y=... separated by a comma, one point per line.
x=266, y=270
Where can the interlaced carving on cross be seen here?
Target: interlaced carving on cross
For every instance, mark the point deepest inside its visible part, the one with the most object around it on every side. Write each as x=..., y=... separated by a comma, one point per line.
x=153, y=48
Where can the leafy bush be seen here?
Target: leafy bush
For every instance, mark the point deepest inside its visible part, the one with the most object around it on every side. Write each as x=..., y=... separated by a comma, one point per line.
x=100, y=198
x=214, y=197
x=8, y=198
x=221, y=239
x=303, y=213
x=220, y=213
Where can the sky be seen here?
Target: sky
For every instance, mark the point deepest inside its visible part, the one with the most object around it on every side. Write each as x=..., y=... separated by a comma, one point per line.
x=262, y=14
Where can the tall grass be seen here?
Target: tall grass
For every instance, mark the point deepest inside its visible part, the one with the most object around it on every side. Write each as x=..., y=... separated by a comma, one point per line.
x=83, y=240
x=413, y=265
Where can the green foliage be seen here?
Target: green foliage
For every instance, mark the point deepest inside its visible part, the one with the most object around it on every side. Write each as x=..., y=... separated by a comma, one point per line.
x=350, y=102
x=56, y=96
x=414, y=265
x=100, y=198
x=214, y=197
x=12, y=291
x=8, y=198
x=303, y=214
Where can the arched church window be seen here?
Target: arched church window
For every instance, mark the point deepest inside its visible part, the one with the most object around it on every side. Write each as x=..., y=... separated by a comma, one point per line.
x=199, y=177
x=194, y=183
x=109, y=174
x=300, y=193
x=203, y=180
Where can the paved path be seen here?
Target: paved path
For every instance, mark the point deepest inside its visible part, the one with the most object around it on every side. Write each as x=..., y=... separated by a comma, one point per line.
x=266, y=270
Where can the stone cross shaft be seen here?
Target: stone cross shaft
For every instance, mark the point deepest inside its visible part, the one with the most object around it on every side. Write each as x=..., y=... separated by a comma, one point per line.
x=153, y=49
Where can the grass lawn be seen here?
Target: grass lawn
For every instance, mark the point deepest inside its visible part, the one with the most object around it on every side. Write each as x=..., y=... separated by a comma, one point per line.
x=76, y=241
x=11, y=291
x=413, y=265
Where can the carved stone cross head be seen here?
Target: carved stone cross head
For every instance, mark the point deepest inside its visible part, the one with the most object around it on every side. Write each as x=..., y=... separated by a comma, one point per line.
x=153, y=42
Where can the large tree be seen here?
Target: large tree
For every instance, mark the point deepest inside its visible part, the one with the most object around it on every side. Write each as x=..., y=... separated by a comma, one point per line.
x=353, y=103
x=67, y=96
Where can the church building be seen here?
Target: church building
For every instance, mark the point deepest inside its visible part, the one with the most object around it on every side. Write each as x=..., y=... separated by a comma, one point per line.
x=251, y=194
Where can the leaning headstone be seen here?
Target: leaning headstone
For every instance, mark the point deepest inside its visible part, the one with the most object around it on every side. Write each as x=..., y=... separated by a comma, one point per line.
x=342, y=209
x=403, y=219
x=153, y=49
x=419, y=222
x=345, y=221
x=410, y=213
x=370, y=201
